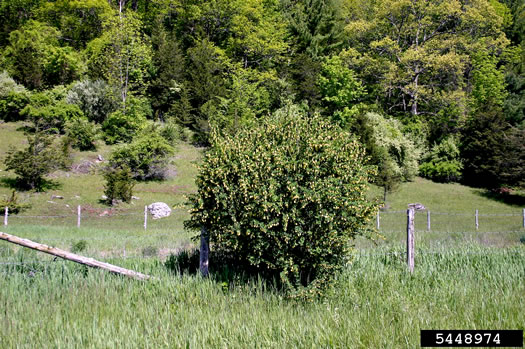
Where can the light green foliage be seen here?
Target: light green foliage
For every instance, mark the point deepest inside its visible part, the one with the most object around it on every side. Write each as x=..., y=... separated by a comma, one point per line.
x=81, y=133
x=442, y=163
x=341, y=90
x=418, y=52
x=48, y=110
x=402, y=152
x=488, y=82
x=13, y=98
x=285, y=198
x=122, y=55
x=119, y=127
x=394, y=154
x=7, y=84
x=35, y=58
x=146, y=156
x=257, y=33
x=36, y=161
x=93, y=98
x=119, y=184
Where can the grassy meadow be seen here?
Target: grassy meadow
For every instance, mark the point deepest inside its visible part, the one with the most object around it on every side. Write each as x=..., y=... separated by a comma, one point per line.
x=463, y=279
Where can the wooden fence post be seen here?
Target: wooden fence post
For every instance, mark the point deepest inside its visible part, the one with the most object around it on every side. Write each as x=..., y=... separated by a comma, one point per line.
x=78, y=216
x=410, y=238
x=204, y=252
x=145, y=217
x=477, y=220
x=428, y=220
x=6, y=213
x=377, y=220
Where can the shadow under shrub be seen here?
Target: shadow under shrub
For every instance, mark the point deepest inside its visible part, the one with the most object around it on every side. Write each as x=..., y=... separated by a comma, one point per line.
x=284, y=199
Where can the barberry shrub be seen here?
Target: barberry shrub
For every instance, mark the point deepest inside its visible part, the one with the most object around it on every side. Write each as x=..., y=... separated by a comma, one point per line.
x=285, y=199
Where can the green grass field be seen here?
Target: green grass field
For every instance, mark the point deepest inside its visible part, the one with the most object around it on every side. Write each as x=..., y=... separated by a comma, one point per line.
x=375, y=304
x=463, y=279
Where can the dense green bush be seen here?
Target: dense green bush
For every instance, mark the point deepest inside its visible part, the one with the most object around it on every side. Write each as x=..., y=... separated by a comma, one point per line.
x=48, y=110
x=119, y=184
x=121, y=128
x=81, y=133
x=285, y=198
x=13, y=98
x=146, y=156
x=442, y=163
x=37, y=160
x=394, y=153
x=94, y=98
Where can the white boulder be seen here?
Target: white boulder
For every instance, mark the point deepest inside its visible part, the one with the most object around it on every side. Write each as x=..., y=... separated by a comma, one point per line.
x=159, y=210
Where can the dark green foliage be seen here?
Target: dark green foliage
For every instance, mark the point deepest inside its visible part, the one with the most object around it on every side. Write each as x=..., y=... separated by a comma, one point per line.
x=36, y=161
x=79, y=246
x=165, y=88
x=81, y=133
x=12, y=203
x=119, y=185
x=285, y=198
x=493, y=152
x=35, y=58
x=94, y=98
x=146, y=156
x=184, y=261
x=14, y=14
x=119, y=127
x=442, y=163
x=316, y=25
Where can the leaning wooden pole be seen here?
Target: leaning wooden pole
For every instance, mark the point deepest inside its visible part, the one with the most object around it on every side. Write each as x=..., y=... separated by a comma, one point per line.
x=73, y=257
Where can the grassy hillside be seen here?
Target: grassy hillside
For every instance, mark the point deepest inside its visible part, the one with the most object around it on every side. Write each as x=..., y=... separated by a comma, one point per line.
x=119, y=230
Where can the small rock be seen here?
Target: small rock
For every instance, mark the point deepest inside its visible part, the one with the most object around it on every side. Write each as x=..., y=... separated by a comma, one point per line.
x=159, y=210
x=100, y=158
x=104, y=197
x=51, y=202
x=116, y=202
x=56, y=197
x=77, y=197
x=135, y=198
x=67, y=206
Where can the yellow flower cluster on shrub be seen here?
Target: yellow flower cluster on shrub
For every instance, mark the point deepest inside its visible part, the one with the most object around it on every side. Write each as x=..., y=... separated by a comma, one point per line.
x=285, y=198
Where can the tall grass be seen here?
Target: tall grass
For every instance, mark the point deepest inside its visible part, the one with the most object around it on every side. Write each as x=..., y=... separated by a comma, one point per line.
x=375, y=304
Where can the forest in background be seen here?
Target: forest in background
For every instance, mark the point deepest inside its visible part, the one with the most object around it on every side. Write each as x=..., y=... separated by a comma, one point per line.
x=431, y=88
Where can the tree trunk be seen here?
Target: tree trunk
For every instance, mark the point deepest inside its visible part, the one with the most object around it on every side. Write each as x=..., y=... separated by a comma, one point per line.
x=204, y=252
